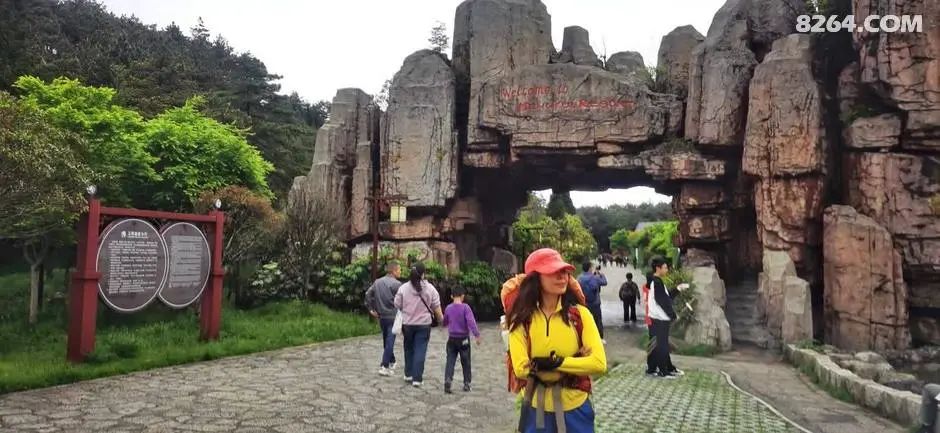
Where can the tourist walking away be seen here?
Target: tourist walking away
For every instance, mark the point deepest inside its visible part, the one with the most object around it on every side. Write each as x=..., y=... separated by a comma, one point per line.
x=591, y=282
x=661, y=313
x=928, y=409
x=461, y=326
x=420, y=306
x=554, y=346
x=629, y=294
x=380, y=300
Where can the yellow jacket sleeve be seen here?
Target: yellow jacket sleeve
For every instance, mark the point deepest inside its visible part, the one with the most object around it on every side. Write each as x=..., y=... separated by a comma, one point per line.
x=596, y=361
x=519, y=352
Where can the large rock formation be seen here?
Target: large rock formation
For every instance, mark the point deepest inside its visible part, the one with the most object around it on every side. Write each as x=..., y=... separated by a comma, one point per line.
x=786, y=150
x=866, y=298
x=675, y=56
x=768, y=119
x=576, y=48
x=895, y=190
x=564, y=106
x=351, y=126
x=784, y=298
x=904, y=67
x=740, y=35
x=493, y=38
x=629, y=63
x=710, y=327
x=419, y=151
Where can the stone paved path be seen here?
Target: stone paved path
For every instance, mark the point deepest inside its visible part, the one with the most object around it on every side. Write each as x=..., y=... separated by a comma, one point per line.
x=700, y=402
x=334, y=387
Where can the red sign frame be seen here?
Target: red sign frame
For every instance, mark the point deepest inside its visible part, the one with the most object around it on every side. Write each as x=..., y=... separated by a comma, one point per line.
x=83, y=292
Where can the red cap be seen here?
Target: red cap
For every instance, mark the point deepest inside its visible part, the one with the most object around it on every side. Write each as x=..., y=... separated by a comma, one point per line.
x=546, y=261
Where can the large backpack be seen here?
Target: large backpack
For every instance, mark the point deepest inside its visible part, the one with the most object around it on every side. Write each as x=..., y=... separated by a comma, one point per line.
x=508, y=295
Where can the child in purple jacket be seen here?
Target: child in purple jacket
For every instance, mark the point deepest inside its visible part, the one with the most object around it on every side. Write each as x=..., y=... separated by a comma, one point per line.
x=461, y=325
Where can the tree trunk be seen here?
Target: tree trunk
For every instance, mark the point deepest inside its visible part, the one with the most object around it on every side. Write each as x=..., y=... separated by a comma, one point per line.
x=42, y=286
x=35, y=255
x=34, y=270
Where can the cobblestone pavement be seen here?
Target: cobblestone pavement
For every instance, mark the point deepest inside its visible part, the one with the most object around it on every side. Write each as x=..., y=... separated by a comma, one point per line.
x=700, y=402
x=331, y=387
x=334, y=387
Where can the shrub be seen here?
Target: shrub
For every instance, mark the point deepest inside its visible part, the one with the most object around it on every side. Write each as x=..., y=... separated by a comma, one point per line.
x=683, y=300
x=482, y=283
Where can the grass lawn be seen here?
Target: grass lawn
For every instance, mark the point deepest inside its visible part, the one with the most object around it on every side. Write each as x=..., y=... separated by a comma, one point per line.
x=34, y=357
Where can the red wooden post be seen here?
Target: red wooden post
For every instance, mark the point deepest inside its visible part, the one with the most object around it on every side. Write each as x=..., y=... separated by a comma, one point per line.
x=211, y=304
x=83, y=292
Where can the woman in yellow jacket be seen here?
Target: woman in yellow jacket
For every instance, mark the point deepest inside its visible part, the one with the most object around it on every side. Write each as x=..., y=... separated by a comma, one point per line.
x=555, y=346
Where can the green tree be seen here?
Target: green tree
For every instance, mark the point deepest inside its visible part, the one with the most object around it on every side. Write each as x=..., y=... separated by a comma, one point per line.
x=604, y=221
x=155, y=70
x=439, y=41
x=620, y=242
x=252, y=229
x=560, y=204
x=119, y=160
x=198, y=154
x=42, y=178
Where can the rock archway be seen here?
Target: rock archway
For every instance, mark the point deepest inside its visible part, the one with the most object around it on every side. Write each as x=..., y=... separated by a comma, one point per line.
x=753, y=130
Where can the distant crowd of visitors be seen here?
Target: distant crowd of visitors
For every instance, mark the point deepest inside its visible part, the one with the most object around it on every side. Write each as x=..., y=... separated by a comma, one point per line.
x=552, y=330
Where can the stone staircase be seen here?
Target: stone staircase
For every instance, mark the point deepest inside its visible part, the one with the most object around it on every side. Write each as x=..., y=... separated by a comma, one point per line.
x=744, y=317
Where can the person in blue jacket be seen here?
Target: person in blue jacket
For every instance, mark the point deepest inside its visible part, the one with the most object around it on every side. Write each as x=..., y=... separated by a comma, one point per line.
x=591, y=282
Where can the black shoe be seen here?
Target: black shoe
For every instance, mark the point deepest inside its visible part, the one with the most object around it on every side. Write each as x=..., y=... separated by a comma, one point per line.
x=447, y=388
x=466, y=387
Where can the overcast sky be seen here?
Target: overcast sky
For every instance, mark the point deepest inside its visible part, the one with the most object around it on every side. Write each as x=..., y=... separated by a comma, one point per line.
x=319, y=46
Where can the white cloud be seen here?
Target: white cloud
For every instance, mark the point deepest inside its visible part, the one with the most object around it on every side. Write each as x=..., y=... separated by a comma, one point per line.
x=320, y=46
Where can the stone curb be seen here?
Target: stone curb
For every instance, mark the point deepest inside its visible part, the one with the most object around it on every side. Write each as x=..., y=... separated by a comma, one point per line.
x=900, y=406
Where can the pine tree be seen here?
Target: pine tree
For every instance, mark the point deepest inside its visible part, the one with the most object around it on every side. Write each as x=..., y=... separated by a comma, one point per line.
x=439, y=40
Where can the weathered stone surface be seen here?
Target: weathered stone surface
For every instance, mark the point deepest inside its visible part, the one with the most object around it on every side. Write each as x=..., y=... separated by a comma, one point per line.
x=923, y=130
x=704, y=228
x=566, y=106
x=576, y=48
x=904, y=66
x=797, y=311
x=710, y=326
x=492, y=38
x=504, y=261
x=629, y=63
x=784, y=122
x=895, y=190
x=675, y=56
x=484, y=159
x=609, y=148
x=679, y=166
x=334, y=157
x=444, y=253
x=360, y=209
x=870, y=357
x=789, y=212
x=778, y=272
x=882, y=131
x=695, y=257
x=865, y=293
x=701, y=196
x=848, y=88
x=722, y=99
x=739, y=36
x=349, y=123
x=419, y=150
x=925, y=330
x=421, y=228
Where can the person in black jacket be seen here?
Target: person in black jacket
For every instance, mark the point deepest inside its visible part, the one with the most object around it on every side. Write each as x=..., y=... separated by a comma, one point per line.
x=629, y=293
x=662, y=313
